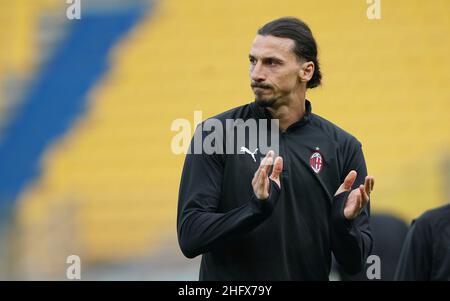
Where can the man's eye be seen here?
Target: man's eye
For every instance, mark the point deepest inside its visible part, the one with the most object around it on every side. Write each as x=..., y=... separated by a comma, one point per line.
x=252, y=61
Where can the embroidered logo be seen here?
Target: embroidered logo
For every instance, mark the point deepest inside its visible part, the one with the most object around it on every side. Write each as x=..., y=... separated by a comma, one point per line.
x=316, y=161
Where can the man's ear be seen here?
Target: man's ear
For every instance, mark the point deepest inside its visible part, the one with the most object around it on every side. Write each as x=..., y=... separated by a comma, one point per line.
x=306, y=71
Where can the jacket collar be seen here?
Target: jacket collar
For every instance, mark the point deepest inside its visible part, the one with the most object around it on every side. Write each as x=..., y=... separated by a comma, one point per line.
x=263, y=113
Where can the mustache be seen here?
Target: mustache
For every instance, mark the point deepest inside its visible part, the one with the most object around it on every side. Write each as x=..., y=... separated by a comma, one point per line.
x=259, y=85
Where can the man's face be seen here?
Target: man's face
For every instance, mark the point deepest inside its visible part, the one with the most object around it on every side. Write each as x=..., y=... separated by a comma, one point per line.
x=274, y=69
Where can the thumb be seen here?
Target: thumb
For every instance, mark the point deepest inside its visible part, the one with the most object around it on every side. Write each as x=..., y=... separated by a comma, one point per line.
x=348, y=182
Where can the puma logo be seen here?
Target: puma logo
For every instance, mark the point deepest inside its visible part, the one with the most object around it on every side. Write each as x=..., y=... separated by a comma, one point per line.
x=246, y=150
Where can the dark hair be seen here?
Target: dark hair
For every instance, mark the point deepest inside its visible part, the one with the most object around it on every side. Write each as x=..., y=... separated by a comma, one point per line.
x=305, y=45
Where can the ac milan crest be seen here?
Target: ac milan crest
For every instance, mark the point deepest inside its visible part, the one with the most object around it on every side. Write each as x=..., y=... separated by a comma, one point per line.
x=316, y=162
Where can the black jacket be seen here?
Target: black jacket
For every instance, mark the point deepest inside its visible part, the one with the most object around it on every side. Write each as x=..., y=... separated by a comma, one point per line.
x=290, y=236
x=426, y=251
x=388, y=233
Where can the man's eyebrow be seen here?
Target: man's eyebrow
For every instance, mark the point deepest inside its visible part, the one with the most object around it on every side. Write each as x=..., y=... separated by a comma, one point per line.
x=276, y=58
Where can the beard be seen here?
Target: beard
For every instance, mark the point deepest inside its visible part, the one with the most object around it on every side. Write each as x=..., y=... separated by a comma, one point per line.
x=264, y=101
x=261, y=98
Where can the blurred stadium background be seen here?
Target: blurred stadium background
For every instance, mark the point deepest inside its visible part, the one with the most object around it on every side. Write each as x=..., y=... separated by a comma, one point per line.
x=86, y=107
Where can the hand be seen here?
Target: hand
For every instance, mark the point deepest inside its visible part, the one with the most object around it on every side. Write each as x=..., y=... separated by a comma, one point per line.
x=358, y=197
x=260, y=182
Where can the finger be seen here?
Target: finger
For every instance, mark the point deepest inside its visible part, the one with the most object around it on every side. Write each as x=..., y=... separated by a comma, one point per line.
x=364, y=203
x=367, y=184
x=365, y=200
x=266, y=185
x=256, y=176
x=349, y=180
x=269, y=154
x=264, y=165
x=268, y=165
x=360, y=202
x=372, y=183
x=277, y=168
x=262, y=177
x=357, y=205
x=364, y=195
x=267, y=161
x=264, y=160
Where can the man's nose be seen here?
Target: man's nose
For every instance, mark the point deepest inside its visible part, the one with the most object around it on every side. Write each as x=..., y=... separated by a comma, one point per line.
x=257, y=73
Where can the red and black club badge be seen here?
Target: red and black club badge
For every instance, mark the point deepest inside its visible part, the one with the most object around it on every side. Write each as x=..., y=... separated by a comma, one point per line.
x=316, y=161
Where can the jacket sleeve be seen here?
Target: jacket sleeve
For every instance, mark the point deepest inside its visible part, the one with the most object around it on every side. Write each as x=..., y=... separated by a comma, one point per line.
x=200, y=227
x=416, y=256
x=351, y=240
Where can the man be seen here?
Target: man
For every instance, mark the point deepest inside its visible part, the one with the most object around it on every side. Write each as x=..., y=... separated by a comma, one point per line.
x=425, y=254
x=251, y=223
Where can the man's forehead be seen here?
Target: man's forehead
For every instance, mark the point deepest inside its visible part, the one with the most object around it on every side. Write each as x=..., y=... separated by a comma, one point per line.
x=271, y=46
